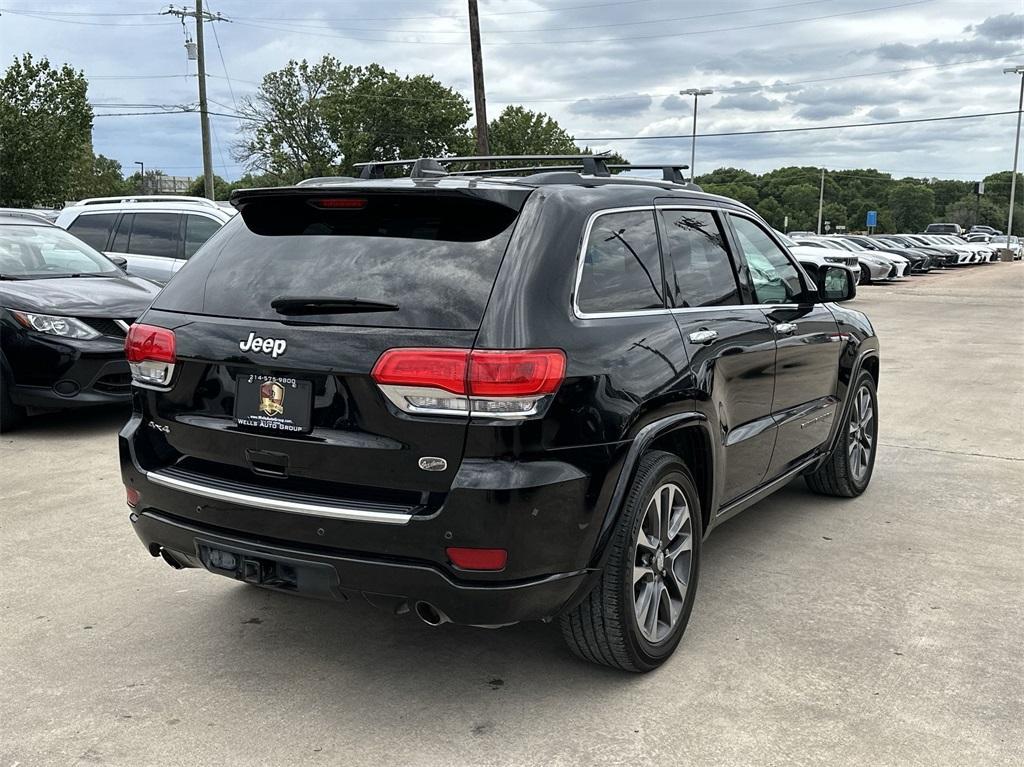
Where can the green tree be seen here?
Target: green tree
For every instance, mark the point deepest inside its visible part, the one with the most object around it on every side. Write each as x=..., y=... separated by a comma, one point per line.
x=770, y=210
x=737, y=191
x=106, y=180
x=319, y=119
x=518, y=130
x=45, y=133
x=221, y=188
x=912, y=206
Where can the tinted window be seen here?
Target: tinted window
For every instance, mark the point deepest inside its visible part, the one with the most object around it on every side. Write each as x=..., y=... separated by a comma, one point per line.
x=93, y=228
x=155, y=234
x=198, y=229
x=434, y=256
x=775, y=279
x=699, y=270
x=124, y=230
x=621, y=265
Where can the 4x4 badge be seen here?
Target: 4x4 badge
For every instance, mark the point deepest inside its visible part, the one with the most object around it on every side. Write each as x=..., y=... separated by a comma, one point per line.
x=273, y=346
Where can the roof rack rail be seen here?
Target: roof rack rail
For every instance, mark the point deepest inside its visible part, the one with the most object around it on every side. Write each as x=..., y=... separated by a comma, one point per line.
x=432, y=167
x=147, y=198
x=326, y=180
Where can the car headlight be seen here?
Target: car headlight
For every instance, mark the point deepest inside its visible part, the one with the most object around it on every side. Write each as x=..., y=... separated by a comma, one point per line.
x=64, y=327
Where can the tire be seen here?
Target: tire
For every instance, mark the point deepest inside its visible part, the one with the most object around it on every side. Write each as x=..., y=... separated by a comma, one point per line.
x=604, y=628
x=847, y=471
x=865, y=276
x=11, y=415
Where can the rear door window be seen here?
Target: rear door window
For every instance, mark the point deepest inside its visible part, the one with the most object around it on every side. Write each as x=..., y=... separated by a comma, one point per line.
x=155, y=234
x=198, y=229
x=93, y=228
x=699, y=271
x=621, y=265
x=434, y=256
x=124, y=230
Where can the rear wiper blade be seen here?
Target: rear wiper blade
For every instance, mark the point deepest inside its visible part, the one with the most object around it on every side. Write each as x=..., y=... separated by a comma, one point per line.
x=294, y=306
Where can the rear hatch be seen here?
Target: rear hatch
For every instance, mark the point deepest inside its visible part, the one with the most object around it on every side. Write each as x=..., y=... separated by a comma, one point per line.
x=280, y=319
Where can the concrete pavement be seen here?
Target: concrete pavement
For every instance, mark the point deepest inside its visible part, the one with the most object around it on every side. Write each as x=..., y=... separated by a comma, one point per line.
x=880, y=631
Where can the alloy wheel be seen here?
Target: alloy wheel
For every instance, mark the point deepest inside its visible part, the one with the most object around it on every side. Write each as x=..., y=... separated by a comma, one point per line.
x=861, y=441
x=662, y=561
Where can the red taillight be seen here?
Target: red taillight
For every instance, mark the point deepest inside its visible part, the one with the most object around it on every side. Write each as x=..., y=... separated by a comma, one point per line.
x=515, y=373
x=443, y=369
x=147, y=342
x=339, y=203
x=477, y=559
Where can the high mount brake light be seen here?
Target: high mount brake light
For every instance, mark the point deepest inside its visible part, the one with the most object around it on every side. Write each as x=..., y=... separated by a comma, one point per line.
x=151, y=353
x=338, y=203
x=498, y=384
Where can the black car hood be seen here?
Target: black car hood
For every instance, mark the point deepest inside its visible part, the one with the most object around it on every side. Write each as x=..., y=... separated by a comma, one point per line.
x=112, y=297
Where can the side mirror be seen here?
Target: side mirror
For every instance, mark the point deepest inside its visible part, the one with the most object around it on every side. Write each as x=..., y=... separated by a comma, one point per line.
x=835, y=283
x=119, y=261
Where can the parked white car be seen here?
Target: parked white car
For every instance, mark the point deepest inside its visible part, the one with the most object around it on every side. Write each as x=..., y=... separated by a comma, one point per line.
x=156, y=234
x=813, y=259
x=1002, y=241
x=874, y=266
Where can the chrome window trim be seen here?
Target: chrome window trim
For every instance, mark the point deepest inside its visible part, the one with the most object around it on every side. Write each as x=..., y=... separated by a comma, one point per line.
x=581, y=315
x=273, y=504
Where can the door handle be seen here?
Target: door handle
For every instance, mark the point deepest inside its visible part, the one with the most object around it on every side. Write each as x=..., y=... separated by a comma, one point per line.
x=785, y=328
x=703, y=336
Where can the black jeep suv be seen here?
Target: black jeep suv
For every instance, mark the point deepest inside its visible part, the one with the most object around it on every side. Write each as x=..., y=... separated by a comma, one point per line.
x=490, y=399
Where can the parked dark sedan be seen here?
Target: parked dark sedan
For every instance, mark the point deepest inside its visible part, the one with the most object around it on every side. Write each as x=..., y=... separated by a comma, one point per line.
x=64, y=312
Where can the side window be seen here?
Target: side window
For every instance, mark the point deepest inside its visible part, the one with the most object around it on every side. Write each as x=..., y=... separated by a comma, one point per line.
x=121, y=235
x=699, y=270
x=155, y=234
x=621, y=265
x=776, y=280
x=198, y=229
x=93, y=228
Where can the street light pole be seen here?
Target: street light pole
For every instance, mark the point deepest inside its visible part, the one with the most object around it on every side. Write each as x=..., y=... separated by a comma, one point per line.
x=142, y=175
x=695, y=92
x=1018, y=70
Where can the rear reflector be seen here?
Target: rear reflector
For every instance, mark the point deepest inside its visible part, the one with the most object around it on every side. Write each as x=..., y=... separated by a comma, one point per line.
x=503, y=384
x=132, y=496
x=151, y=354
x=477, y=559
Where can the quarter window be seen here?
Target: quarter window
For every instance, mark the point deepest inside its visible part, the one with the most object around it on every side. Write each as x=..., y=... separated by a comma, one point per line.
x=93, y=228
x=198, y=229
x=621, y=265
x=698, y=269
x=155, y=234
x=775, y=279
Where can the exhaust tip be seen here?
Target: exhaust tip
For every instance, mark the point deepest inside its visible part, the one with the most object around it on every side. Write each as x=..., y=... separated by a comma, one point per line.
x=429, y=614
x=169, y=559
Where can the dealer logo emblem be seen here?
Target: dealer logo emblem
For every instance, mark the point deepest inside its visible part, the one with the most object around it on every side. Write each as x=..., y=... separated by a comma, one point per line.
x=271, y=398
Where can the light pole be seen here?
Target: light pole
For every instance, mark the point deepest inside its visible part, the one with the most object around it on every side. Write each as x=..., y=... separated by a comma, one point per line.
x=1018, y=70
x=695, y=92
x=142, y=175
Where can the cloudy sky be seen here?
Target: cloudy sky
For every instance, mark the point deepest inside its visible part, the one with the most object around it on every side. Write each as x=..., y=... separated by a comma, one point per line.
x=602, y=69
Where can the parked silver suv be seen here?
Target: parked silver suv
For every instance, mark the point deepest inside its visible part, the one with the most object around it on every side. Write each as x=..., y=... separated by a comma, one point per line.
x=156, y=234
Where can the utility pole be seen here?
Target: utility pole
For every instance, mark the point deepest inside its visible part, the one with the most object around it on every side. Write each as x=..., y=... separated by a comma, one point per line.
x=483, y=146
x=695, y=92
x=821, y=199
x=201, y=17
x=1019, y=70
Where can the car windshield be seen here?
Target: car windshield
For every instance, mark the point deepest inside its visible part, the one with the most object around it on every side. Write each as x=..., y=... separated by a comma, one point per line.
x=789, y=243
x=1004, y=238
x=30, y=251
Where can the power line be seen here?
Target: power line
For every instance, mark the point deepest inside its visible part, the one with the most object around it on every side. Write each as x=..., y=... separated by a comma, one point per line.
x=227, y=77
x=796, y=130
x=591, y=40
x=43, y=17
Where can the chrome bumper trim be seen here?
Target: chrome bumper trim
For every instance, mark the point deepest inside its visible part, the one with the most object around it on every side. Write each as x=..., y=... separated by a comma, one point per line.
x=276, y=504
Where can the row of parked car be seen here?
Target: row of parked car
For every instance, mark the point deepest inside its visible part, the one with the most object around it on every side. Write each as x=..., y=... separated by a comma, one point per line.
x=884, y=257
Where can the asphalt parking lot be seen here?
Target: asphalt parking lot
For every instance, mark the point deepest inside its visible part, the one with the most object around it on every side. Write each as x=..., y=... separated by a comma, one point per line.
x=883, y=630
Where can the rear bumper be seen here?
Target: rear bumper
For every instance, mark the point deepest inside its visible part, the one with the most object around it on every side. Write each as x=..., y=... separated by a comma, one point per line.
x=328, y=574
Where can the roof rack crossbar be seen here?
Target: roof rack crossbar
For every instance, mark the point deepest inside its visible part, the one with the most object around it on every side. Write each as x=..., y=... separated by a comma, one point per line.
x=669, y=172
x=513, y=171
x=427, y=167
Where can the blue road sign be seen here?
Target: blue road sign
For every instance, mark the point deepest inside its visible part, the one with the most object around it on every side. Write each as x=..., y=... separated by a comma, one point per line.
x=872, y=218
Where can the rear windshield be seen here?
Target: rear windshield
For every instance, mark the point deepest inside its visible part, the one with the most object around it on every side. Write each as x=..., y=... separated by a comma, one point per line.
x=435, y=258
